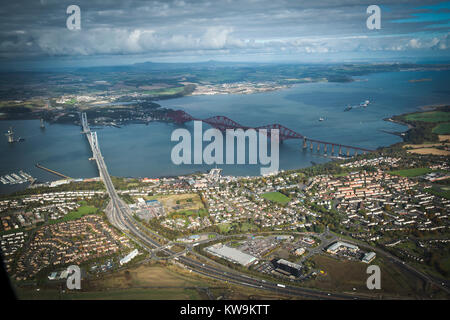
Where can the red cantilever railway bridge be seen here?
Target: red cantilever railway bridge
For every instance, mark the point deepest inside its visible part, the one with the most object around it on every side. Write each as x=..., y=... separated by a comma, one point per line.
x=222, y=123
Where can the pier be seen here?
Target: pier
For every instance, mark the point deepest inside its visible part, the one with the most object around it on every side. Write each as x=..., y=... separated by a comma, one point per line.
x=52, y=171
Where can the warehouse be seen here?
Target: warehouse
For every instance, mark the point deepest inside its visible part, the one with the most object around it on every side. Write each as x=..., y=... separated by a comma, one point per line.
x=290, y=267
x=340, y=245
x=368, y=257
x=129, y=257
x=231, y=254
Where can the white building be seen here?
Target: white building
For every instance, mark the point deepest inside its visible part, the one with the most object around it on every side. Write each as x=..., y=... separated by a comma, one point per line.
x=129, y=257
x=368, y=257
x=339, y=245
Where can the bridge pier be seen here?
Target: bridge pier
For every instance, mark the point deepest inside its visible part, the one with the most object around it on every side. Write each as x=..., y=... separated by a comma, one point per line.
x=348, y=152
x=304, y=143
x=311, y=145
x=318, y=147
x=332, y=149
x=340, y=150
x=325, y=149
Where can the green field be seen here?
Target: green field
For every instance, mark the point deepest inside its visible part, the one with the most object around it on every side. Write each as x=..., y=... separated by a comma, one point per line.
x=443, y=128
x=443, y=192
x=187, y=213
x=82, y=211
x=241, y=227
x=224, y=227
x=411, y=172
x=71, y=101
x=276, y=197
x=165, y=91
x=74, y=215
x=431, y=116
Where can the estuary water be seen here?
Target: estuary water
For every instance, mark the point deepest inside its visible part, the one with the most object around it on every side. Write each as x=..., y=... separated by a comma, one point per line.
x=139, y=150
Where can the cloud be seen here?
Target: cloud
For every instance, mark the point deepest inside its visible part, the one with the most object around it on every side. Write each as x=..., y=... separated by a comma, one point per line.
x=239, y=27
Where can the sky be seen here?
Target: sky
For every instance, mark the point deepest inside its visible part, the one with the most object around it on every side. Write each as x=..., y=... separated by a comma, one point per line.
x=113, y=32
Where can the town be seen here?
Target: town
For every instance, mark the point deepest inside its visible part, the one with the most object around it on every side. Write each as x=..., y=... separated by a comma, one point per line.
x=275, y=226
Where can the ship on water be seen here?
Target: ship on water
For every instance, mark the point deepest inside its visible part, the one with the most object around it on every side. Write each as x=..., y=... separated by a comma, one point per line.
x=364, y=104
x=361, y=105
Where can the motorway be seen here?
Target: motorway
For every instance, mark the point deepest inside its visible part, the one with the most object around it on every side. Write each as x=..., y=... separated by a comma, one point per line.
x=119, y=214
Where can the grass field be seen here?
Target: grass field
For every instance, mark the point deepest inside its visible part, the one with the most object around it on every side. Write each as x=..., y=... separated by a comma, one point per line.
x=165, y=91
x=435, y=151
x=150, y=282
x=343, y=276
x=115, y=294
x=74, y=215
x=142, y=282
x=30, y=104
x=242, y=227
x=224, y=227
x=276, y=197
x=443, y=128
x=431, y=116
x=411, y=172
x=442, y=192
x=71, y=101
x=187, y=213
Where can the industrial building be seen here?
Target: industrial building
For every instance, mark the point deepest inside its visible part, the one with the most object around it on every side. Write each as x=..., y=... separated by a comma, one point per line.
x=231, y=254
x=340, y=245
x=368, y=257
x=129, y=257
x=290, y=267
x=149, y=209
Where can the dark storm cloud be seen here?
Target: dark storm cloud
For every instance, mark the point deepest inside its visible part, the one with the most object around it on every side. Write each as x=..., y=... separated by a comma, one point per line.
x=180, y=27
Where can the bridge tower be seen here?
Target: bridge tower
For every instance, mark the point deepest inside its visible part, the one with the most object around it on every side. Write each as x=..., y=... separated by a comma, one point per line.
x=94, y=140
x=84, y=122
x=10, y=135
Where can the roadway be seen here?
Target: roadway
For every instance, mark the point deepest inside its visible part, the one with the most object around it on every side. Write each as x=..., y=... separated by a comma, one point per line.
x=119, y=214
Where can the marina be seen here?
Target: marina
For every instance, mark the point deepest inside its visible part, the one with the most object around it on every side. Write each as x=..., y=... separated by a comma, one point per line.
x=16, y=178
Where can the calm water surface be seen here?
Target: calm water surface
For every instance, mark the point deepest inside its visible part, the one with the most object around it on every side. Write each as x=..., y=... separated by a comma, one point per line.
x=144, y=150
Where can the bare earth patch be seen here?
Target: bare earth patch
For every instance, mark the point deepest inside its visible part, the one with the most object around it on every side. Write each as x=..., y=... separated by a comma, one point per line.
x=433, y=151
x=430, y=148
